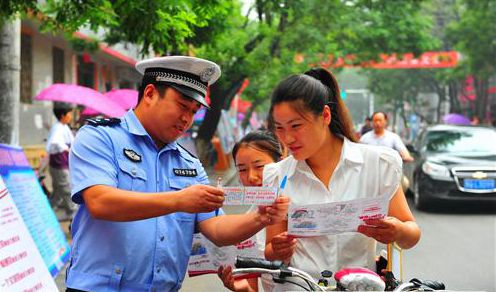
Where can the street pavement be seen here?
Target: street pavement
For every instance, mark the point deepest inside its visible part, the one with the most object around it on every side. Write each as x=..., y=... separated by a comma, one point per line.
x=458, y=247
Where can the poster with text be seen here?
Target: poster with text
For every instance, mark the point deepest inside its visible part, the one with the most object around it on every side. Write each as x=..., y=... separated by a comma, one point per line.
x=33, y=205
x=21, y=265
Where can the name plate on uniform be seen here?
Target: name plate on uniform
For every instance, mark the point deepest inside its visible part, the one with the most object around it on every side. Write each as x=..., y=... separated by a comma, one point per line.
x=240, y=195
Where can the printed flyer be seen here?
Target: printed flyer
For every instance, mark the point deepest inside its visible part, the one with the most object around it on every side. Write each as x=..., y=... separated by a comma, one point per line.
x=206, y=257
x=334, y=218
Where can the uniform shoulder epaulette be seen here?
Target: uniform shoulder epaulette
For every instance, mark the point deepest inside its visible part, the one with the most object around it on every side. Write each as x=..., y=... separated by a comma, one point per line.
x=103, y=122
x=186, y=150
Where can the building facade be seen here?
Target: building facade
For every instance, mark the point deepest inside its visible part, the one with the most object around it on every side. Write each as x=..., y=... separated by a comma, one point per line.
x=47, y=59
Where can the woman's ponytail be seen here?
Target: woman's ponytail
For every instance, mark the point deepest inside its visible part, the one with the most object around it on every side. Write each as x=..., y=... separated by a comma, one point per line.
x=341, y=123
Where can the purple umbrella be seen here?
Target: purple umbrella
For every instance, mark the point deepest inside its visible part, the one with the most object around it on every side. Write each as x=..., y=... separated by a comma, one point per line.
x=125, y=98
x=456, y=119
x=81, y=95
x=200, y=115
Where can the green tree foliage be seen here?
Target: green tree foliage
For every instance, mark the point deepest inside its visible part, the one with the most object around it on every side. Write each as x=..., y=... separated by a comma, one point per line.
x=474, y=35
x=266, y=48
x=159, y=26
x=463, y=25
x=281, y=37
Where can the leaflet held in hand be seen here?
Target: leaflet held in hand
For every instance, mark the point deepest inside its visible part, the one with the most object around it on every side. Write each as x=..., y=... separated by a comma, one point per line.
x=239, y=195
x=336, y=217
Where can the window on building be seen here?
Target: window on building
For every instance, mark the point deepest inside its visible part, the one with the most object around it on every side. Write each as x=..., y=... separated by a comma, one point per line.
x=86, y=72
x=58, y=65
x=26, y=68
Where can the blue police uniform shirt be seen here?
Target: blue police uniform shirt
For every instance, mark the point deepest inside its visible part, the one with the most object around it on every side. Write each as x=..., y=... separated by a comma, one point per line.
x=143, y=255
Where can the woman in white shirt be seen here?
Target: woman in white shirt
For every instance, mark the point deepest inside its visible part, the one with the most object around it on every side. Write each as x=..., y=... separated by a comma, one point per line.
x=327, y=165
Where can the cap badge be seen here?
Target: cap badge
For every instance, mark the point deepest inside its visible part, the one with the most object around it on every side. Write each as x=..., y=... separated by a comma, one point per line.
x=207, y=73
x=479, y=175
x=131, y=155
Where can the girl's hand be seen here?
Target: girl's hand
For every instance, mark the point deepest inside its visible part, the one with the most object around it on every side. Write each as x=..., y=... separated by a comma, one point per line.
x=225, y=274
x=283, y=246
x=385, y=230
x=275, y=213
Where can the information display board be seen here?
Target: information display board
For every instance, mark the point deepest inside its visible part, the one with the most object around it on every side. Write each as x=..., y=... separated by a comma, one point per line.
x=34, y=208
x=21, y=265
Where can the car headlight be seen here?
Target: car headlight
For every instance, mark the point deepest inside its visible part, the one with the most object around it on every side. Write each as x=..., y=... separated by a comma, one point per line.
x=436, y=171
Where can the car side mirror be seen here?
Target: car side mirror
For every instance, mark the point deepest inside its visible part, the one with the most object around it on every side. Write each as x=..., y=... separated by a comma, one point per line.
x=411, y=149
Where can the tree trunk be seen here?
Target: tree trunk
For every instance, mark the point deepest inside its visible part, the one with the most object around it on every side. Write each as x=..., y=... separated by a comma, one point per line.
x=10, y=70
x=481, y=87
x=219, y=99
x=454, y=93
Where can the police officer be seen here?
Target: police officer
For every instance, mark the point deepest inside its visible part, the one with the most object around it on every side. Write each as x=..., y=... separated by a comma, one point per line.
x=142, y=195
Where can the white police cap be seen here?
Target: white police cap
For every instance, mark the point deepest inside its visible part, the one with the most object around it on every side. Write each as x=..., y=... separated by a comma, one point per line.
x=188, y=75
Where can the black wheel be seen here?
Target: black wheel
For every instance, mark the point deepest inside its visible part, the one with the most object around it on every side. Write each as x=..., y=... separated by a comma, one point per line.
x=419, y=199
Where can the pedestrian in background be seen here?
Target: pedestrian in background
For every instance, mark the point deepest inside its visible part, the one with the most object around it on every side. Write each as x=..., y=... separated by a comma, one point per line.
x=60, y=139
x=142, y=195
x=380, y=136
x=475, y=121
x=366, y=127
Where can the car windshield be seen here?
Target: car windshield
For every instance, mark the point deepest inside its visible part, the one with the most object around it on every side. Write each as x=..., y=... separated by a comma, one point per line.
x=469, y=141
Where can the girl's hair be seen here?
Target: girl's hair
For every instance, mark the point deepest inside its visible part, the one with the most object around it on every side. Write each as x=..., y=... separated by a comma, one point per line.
x=311, y=92
x=260, y=140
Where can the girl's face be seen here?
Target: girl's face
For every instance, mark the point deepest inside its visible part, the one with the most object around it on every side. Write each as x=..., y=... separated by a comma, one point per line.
x=303, y=133
x=250, y=163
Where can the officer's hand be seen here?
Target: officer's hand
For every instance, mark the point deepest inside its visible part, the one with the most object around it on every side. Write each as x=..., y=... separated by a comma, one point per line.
x=200, y=199
x=283, y=246
x=275, y=213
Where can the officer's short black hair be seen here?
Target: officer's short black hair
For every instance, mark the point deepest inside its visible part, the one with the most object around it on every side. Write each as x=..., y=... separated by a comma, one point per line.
x=160, y=88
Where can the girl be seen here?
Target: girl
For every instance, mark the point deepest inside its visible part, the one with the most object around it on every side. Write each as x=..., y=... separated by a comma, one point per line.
x=327, y=165
x=251, y=154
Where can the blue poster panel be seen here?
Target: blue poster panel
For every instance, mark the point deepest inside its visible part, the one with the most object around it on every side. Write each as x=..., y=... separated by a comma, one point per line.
x=33, y=205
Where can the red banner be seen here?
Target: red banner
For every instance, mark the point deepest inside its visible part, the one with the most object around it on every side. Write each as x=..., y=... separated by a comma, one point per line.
x=396, y=61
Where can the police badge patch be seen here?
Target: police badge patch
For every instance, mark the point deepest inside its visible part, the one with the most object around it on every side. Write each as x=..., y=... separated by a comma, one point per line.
x=132, y=155
x=206, y=74
x=185, y=172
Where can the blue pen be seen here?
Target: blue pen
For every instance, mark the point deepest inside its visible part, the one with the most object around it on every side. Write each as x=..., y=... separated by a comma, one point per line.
x=219, y=185
x=283, y=184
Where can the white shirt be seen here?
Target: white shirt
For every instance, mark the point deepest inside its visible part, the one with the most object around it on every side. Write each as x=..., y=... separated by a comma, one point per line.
x=266, y=283
x=389, y=139
x=363, y=171
x=59, y=138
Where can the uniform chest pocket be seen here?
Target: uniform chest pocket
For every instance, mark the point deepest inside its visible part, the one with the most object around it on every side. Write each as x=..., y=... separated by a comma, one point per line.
x=179, y=183
x=131, y=176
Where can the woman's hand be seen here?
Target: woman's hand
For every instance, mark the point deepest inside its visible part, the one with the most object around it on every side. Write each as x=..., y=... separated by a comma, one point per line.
x=225, y=274
x=275, y=213
x=283, y=246
x=385, y=230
